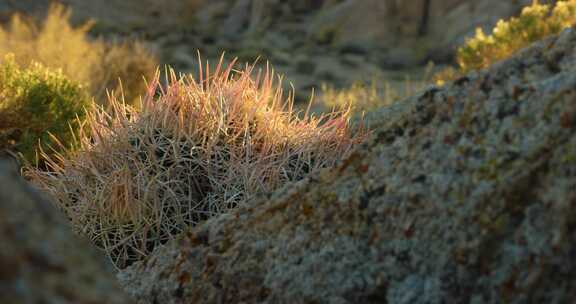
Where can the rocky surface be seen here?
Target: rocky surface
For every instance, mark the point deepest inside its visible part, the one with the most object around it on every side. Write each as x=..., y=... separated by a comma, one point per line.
x=41, y=261
x=463, y=194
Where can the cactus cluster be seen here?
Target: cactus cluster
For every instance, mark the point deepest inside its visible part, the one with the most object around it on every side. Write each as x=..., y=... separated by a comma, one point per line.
x=198, y=147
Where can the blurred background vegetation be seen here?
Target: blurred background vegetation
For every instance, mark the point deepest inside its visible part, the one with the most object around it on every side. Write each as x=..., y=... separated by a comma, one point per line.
x=358, y=54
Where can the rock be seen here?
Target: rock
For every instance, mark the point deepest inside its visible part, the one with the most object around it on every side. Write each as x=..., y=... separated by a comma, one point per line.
x=355, y=49
x=117, y=15
x=304, y=64
x=238, y=18
x=206, y=16
x=279, y=41
x=353, y=60
x=399, y=58
x=41, y=260
x=7, y=8
x=351, y=22
x=149, y=16
x=462, y=194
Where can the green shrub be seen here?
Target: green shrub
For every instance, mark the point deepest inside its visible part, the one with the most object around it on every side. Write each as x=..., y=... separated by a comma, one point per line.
x=37, y=105
x=534, y=23
x=196, y=148
x=94, y=63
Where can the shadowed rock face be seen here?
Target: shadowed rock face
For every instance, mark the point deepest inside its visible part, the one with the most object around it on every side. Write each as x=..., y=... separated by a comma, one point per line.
x=464, y=194
x=41, y=261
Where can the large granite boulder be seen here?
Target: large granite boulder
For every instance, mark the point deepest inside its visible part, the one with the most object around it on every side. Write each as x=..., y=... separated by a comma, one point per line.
x=463, y=194
x=41, y=260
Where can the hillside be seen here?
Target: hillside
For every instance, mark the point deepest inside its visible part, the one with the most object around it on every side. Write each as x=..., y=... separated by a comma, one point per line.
x=311, y=42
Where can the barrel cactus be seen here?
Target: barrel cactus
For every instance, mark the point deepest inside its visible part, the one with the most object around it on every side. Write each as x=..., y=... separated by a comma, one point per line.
x=196, y=148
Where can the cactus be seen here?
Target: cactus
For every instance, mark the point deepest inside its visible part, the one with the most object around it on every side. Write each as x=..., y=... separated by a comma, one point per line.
x=197, y=148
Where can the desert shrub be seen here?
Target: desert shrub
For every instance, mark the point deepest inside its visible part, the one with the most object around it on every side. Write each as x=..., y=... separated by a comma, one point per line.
x=534, y=23
x=93, y=62
x=38, y=105
x=196, y=148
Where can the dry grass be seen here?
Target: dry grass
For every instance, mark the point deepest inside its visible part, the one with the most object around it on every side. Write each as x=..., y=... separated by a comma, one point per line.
x=364, y=97
x=97, y=64
x=197, y=148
